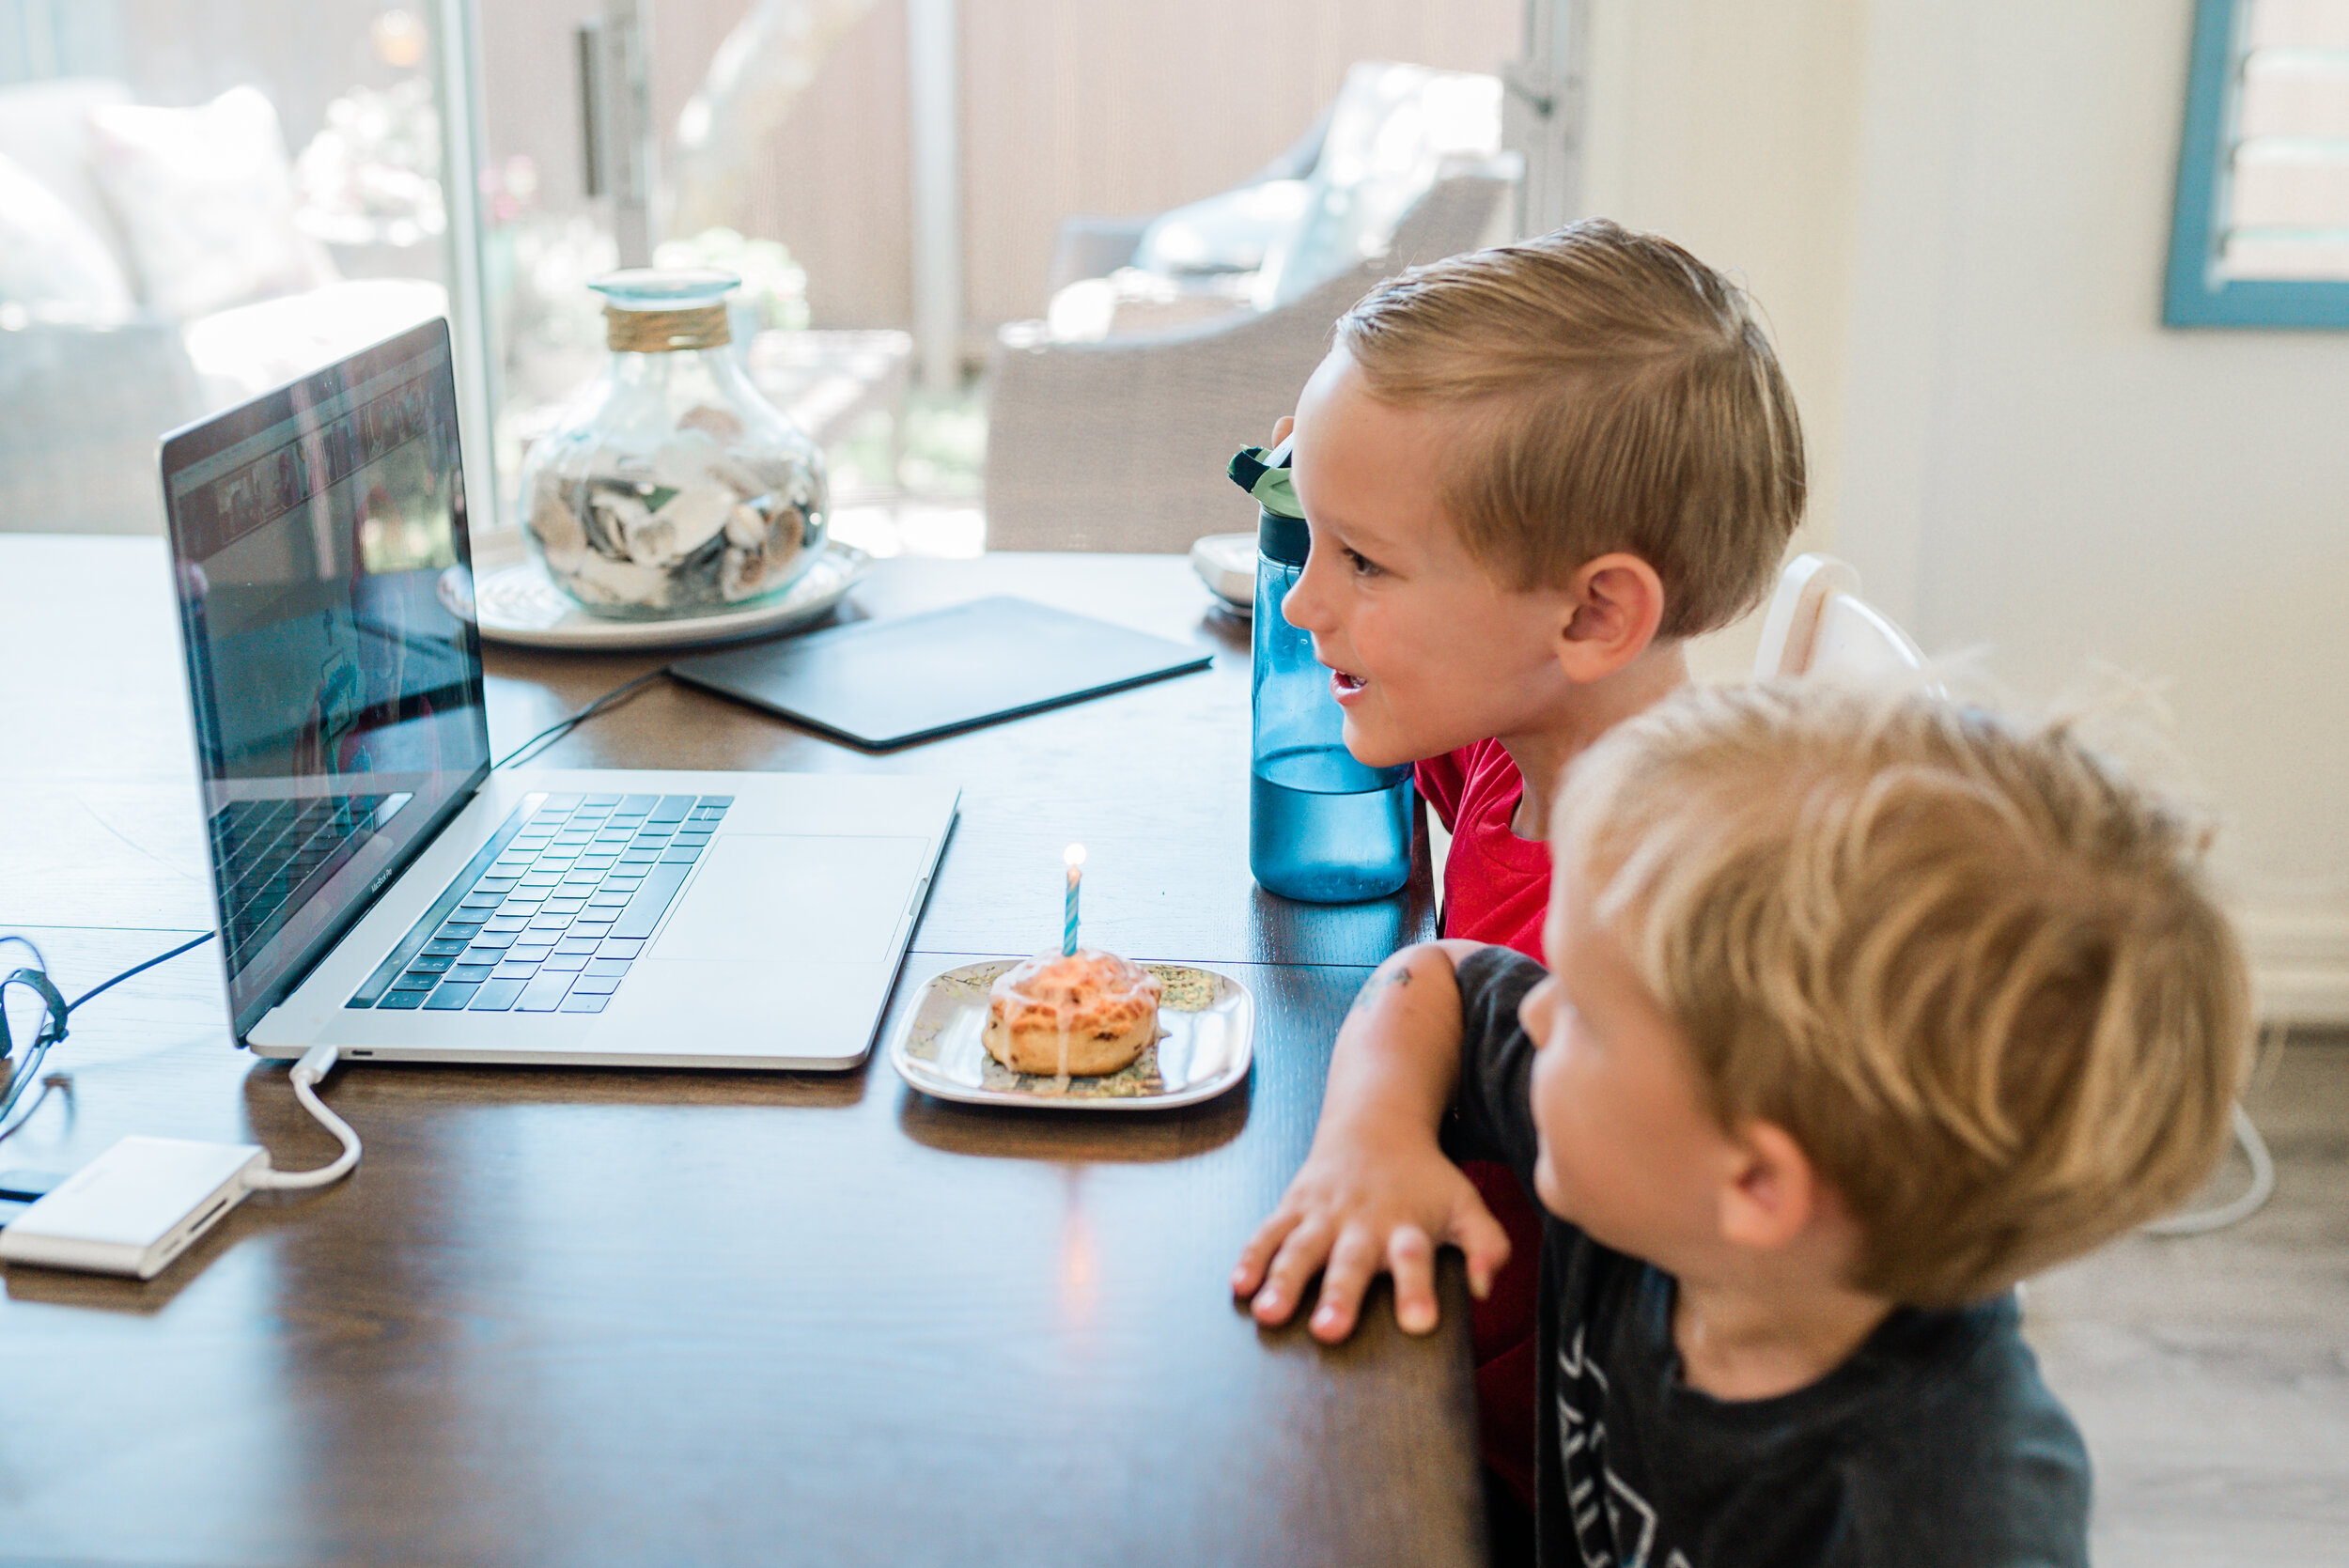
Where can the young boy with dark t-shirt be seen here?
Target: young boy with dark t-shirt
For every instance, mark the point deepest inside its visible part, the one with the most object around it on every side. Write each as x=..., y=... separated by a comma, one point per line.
x=1530, y=474
x=1858, y=1009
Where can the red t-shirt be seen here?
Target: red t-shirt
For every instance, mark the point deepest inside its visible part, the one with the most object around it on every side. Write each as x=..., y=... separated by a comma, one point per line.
x=1496, y=889
x=1496, y=885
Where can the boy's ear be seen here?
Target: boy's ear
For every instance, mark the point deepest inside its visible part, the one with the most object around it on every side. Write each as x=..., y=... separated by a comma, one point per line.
x=1614, y=606
x=1774, y=1193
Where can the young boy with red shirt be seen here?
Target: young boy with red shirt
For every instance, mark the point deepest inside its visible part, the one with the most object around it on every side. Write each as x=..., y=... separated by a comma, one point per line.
x=1530, y=474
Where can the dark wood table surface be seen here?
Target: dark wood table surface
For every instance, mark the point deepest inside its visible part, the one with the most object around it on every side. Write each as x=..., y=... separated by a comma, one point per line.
x=581, y=1317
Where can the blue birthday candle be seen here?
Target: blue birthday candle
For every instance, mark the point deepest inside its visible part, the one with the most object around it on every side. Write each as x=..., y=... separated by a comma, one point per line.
x=1074, y=856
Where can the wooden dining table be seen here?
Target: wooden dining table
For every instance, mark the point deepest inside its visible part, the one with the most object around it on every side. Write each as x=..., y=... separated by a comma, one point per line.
x=571, y=1316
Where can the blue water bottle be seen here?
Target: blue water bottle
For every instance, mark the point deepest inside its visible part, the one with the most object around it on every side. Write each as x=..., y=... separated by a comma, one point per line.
x=1321, y=826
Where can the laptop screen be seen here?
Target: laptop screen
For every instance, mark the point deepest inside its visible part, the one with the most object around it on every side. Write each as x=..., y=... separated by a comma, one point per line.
x=317, y=536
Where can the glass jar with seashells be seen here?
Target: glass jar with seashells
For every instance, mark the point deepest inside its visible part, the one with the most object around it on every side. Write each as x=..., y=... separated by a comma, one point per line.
x=670, y=487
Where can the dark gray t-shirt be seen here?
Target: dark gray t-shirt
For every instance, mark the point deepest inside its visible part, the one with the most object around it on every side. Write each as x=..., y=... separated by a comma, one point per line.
x=1936, y=1444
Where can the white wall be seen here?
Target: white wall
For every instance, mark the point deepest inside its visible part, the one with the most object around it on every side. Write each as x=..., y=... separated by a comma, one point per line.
x=1956, y=217
x=1732, y=127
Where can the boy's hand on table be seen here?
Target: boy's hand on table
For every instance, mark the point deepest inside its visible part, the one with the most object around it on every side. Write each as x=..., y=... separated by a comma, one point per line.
x=1376, y=1193
x=1358, y=1209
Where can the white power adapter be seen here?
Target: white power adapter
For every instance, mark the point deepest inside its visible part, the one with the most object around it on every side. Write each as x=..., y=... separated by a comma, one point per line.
x=135, y=1207
x=138, y=1205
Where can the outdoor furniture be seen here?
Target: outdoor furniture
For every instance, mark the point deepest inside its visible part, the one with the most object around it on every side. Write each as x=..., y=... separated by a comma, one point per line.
x=1197, y=329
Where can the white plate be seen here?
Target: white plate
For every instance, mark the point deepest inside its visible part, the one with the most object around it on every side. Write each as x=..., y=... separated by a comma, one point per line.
x=1226, y=562
x=516, y=602
x=1207, y=1021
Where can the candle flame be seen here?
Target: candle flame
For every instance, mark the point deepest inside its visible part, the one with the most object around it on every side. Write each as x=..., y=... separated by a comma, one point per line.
x=1074, y=855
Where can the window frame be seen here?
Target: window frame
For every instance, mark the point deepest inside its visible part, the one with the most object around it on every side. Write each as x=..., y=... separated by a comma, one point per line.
x=2195, y=294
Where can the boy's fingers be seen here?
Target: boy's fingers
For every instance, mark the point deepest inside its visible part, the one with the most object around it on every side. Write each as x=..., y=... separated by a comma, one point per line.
x=1298, y=1259
x=1281, y=427
x=1352, y=1263
x=1249, y=1272
x=1412, y=1259
x=1479, y=1236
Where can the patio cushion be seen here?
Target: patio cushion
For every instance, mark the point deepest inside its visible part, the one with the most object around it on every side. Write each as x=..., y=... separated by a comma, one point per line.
x=52, y=265
x=44, y=126
x=1228, y=232
x=1389, y=135
x=206, y=199
x=1394, y=130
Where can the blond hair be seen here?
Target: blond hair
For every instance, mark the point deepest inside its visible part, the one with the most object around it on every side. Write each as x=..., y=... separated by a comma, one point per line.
x=1972, y=970
x=1616, y=394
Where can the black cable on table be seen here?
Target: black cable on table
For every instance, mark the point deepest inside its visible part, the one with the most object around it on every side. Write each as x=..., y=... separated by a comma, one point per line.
x=562, y=727
x=190, y=944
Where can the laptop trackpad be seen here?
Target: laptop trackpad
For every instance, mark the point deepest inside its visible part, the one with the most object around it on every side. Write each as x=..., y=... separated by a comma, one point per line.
x=803, y=1012
x=766, y=898
x=781, y=948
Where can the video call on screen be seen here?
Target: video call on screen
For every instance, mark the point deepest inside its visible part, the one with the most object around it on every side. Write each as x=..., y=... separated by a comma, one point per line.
x=313, y=575
x=323, y=566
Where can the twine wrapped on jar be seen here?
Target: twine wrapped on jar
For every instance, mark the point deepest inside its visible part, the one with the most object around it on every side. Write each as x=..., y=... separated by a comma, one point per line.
x=665, y=331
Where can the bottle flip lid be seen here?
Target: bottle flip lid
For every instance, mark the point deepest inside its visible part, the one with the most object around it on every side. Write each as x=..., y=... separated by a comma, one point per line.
x=1281, y=533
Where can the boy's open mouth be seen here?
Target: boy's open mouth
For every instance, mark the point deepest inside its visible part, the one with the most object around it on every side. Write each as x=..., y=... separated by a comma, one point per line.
x=1344, y=684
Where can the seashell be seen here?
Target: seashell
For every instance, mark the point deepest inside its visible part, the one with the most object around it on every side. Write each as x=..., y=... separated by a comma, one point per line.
x=746, y=525
x=741, y=574
x=598, y=579
x=689, y=520
x=790, y=537
x=784, y=543
x=556, y=527
x=685, y=458
x=692, y=458
x=612, y=517
x=742, y=479
x=746, y=572
x=774, y=474
x=719, y=422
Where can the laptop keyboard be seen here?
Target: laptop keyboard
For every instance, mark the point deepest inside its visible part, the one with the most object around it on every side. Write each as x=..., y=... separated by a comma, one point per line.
x=274, y=853
x=551, y=913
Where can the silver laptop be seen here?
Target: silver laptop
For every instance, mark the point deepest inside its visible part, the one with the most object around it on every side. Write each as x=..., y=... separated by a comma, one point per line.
x=380, y=887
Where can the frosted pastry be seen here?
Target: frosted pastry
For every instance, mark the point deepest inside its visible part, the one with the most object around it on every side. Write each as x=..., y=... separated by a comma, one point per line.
x=1080, y=1015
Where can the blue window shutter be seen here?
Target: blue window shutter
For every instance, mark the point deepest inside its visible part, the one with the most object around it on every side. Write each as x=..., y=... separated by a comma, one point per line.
x=2197, y=291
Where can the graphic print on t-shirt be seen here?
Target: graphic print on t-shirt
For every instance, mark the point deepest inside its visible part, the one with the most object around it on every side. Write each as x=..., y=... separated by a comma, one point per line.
x=1593, y=1491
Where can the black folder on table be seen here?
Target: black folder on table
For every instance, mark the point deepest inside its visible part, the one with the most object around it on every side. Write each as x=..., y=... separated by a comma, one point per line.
x=887, y=683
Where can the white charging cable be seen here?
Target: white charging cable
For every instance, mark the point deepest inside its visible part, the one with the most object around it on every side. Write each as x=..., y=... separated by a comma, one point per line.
x=2254, y=1197
x=315, y=1065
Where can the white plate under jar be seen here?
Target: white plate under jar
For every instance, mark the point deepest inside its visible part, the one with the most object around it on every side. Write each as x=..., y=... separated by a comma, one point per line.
x=515, y=602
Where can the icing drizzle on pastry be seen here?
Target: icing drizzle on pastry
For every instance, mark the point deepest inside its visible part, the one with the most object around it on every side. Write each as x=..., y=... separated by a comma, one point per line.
x=1087, y=989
